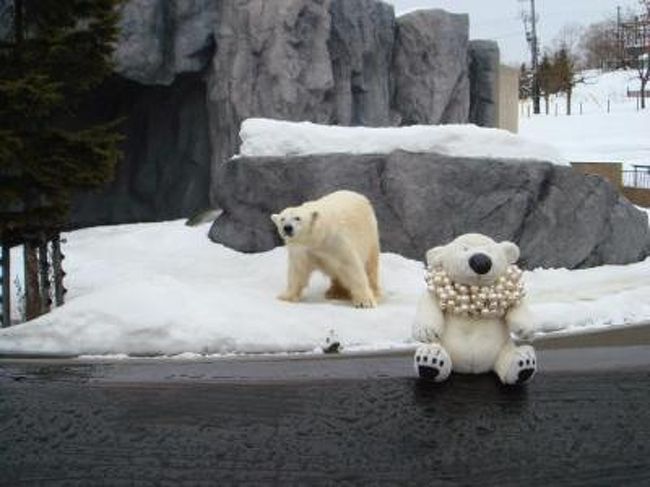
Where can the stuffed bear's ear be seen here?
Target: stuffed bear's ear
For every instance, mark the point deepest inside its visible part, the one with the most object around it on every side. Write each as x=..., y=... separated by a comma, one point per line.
x=511, y=250
x=434, y=256
x=275, y=217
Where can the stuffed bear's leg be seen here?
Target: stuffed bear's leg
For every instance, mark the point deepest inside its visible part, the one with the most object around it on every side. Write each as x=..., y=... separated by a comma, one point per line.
x=432, y=362
x=516, y=365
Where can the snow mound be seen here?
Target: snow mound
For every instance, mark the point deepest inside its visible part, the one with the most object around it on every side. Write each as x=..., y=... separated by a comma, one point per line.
x=165, y=289
x=265, y=137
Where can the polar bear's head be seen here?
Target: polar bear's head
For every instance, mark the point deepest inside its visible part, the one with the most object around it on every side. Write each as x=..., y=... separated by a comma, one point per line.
x=473, y=259
x=295, y=224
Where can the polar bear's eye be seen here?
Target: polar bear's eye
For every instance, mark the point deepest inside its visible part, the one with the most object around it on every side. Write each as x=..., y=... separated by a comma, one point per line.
x=297, y=218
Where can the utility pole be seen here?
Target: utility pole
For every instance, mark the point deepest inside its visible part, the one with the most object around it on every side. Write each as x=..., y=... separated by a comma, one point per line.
x=531, y=37
x=619, y=39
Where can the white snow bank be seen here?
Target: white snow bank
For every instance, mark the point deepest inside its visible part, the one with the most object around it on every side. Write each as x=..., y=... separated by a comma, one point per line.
x=596, y=135
x=164, y=288
x=265, y=137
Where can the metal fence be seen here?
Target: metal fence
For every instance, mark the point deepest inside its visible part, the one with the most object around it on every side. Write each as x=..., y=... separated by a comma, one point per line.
x=638, y=177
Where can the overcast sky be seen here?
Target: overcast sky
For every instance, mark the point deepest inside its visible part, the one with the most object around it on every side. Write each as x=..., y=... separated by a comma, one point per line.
x=500, y=20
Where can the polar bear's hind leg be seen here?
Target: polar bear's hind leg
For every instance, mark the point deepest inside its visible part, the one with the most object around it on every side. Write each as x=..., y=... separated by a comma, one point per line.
x=337, y=291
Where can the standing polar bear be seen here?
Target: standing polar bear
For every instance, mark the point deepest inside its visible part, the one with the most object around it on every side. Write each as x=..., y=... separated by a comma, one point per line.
x=336, y=234
x=474, y=299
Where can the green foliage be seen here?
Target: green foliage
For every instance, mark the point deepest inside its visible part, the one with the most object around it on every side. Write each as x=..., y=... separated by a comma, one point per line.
x=52, y=54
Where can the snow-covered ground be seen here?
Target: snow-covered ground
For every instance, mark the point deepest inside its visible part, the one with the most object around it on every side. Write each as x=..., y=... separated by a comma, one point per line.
x=265, y=137
x=621, y=134
x=165, y=289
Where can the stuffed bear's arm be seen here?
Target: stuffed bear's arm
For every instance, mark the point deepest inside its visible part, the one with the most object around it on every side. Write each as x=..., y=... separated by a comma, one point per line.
x=520, y=321
x=429, y=320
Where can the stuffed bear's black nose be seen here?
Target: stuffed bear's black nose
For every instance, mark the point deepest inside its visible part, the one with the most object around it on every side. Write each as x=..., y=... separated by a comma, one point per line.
x=480, y=263
x=288, y=230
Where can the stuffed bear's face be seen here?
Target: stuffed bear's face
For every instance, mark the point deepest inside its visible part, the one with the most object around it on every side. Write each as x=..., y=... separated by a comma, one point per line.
x=474, y=259
x=294, y=224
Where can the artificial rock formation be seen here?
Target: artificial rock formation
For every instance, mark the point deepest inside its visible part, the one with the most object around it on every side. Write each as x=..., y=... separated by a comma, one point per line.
x=221, y=61
x=430, y=68
x=557, y=216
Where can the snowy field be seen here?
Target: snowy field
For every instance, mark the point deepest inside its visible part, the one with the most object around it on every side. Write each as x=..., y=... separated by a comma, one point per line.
x=165, y=289
x=620, y=135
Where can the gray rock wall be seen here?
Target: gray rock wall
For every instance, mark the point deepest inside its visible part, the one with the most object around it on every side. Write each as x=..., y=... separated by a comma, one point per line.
x=328, y=61
x=559, y=217
x=165, y=172
x=484, y=79
x=430, y=68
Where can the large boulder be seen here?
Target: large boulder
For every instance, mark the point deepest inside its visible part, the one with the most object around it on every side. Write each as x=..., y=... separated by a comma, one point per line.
x=430, y=68
x=558, y=217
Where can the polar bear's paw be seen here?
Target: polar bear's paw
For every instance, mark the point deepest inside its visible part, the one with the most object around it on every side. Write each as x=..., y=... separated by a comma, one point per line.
x=367, y=301
x=432, y=362
x=523, y=365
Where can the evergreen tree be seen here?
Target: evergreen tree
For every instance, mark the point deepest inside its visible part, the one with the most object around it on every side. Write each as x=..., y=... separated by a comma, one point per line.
x=546, y=79
x=52, y=53
x=564, y=74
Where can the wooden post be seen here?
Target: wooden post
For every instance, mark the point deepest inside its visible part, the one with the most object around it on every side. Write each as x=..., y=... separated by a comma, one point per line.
x=57, y=268
x=44, y=275
x=5, y=291
x=32, y=297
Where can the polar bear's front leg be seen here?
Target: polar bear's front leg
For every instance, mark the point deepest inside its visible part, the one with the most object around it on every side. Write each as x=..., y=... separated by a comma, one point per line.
x=300, y=268
x=429, y=320
x=516, y=365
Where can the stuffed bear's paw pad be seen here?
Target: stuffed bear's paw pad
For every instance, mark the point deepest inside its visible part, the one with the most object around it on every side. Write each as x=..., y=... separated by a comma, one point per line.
x=432, y=362
x=523, y=366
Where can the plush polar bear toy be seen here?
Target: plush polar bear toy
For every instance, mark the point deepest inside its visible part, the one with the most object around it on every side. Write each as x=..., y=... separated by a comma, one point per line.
x=474, y=300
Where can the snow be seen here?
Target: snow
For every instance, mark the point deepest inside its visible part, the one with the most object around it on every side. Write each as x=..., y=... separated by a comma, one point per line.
x=266, y=137
x=164, y=289
x=596, y=135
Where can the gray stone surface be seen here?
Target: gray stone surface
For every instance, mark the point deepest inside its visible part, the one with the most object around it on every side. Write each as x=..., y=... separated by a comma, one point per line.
x=361, y=50
x=271, y=61
x=430, y=68
x=559, y=217
x=484, y=79
x=160, y=39
x=165, y=171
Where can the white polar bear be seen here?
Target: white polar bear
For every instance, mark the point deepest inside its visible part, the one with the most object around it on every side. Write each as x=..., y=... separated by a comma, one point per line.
x=473, y=302
x=336, y=234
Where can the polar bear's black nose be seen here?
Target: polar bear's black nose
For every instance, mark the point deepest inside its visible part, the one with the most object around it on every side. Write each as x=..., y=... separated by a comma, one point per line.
x=288, y=230
x=480, y=263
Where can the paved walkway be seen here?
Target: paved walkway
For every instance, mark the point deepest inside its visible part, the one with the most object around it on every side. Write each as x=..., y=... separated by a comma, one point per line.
x=584, y=420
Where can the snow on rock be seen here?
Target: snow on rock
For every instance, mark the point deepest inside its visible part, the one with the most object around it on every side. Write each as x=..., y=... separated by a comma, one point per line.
x=266, y=137
x=165, y=289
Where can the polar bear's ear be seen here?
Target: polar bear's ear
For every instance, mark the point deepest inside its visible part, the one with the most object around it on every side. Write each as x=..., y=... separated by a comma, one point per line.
x=275, y=217
x=434, y=256
x=511, y=251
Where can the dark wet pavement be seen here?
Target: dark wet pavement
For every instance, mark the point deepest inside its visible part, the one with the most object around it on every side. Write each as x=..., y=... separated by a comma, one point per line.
x=584, y=420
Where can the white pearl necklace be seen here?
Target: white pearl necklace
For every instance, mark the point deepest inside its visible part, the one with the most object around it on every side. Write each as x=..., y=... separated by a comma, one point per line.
x=491, y=301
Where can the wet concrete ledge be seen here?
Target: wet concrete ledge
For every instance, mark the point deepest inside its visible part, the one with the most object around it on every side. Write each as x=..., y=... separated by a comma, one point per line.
x=620, y=349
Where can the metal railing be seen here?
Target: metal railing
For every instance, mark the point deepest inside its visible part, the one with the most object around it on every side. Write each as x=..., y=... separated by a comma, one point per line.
x=638, y=177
